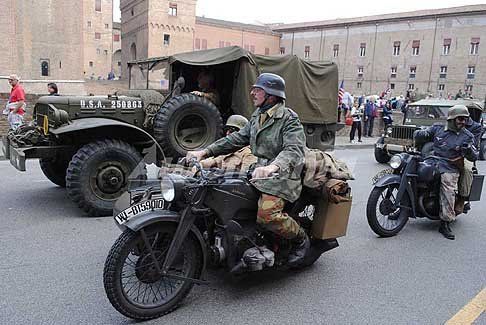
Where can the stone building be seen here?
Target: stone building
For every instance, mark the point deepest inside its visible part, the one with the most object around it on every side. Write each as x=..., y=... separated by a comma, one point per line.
x=433, y=51
x=58, y=40
x=116, y=60
x=153, y=28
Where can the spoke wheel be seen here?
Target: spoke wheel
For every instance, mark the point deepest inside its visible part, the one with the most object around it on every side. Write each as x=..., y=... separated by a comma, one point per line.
x=132, y=283
x=383, y=218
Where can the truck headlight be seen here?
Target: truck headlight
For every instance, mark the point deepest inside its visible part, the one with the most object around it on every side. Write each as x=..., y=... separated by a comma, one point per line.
x=396, y=161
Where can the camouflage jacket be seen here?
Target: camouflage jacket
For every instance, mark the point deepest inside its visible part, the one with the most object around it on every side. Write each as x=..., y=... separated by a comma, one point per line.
x=240, y=160
x=279, y=141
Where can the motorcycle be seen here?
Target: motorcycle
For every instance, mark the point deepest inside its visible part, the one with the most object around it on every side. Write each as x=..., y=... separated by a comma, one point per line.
x=172, y=230
x=409, y=189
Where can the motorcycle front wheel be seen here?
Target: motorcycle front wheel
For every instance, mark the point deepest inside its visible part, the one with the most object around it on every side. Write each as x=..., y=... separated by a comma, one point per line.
x=383, y=219
x=131, y=281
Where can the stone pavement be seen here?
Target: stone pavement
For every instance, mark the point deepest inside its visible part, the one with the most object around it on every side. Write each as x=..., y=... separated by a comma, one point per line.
x=342, y=142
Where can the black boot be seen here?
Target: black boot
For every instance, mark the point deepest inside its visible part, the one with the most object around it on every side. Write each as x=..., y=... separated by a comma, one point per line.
x=300, y=246
x=445, y=230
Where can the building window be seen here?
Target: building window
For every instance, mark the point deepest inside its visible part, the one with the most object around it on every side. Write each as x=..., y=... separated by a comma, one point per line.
x=396, y=48
x=166, y=39
x=415, y=47
x=474, y=46
x=172, y=9
x=267, y=51
x=362, y=50
x=446, y=48
x=44, y=68
x=221, y=44
x=90, y=64
x=358, y=85
x=228, y=44
x=413, y=72
x=392, y=86
x=411, y=86
x=393, y=72
x=98, y=51
x=119, y=63
x=116, y=38
x=441, y=87
x=307, y=52
x=132, y=12
x=469, y=89
x=282, y=50
x=204, y=44
x=335, y=51
x=443, y=71
x=107, y=26
x=197, y=44
x=89, y=23
x=106, y=52
x=360, y=71
x=252, y=48
x=471, y=72
x=98, y=5
x=97, y=35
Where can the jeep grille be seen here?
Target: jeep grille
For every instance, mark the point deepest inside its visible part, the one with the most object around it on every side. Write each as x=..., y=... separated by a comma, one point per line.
x=402, y=132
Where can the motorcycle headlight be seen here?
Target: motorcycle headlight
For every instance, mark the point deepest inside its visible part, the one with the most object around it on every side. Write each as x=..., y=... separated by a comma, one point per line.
x=171, y=187
x=396, y=161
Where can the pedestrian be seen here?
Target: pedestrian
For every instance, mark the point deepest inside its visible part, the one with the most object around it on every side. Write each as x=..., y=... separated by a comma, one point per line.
x=16, y=103
x=404, y=110
x=369, y=118
x=339, y=111
x=387, y=116
x=52, y=89
x=355, y=113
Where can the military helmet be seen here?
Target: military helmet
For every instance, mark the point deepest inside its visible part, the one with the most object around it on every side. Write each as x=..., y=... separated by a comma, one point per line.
x=456, y=111
x=236, y=121
x=272, y=84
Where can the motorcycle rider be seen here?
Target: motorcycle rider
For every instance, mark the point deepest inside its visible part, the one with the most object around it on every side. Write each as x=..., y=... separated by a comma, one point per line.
x=452, y=143
x=277, y=138
x=466, y=175
x=240, y=160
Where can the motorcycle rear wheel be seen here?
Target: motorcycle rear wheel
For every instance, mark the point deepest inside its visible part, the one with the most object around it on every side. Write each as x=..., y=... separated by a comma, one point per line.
x=390, y=222
x=131, y=281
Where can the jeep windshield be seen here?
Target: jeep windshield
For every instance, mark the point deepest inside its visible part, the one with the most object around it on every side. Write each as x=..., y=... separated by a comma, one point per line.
x=428, y=112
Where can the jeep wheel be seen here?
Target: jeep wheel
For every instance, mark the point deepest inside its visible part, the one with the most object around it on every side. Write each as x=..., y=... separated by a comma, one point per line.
x=55, y=170
x=482, y=150
x=187, y=122
x=98, y=174
x=380, y=155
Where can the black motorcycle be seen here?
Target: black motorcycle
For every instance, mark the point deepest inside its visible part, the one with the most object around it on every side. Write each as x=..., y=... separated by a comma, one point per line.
x=173, y=229
x=409, y=189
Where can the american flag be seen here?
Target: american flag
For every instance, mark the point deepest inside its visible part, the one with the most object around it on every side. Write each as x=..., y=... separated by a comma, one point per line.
x=341, y=92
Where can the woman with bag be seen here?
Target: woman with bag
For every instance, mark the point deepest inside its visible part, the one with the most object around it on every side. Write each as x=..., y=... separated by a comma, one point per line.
x=355, y=116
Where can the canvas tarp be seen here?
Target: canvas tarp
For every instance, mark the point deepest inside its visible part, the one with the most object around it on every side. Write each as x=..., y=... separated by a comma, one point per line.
x=311, y=87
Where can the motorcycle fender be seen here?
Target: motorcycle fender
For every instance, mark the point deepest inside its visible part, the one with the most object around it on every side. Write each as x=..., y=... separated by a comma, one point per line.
x=396, y=179
x=153, y=217
x=387, y=180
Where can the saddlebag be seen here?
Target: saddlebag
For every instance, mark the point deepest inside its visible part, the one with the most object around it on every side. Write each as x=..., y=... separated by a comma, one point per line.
x=476, y=188
x=332, y=211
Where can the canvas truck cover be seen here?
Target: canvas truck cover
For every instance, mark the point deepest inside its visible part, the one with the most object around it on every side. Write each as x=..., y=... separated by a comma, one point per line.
x=311, y=87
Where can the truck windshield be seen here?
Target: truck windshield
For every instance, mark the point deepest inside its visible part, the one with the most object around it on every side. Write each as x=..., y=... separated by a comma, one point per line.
x=426, y=111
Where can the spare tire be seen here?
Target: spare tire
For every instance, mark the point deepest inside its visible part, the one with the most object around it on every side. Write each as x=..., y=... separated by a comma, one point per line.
x=185, y=123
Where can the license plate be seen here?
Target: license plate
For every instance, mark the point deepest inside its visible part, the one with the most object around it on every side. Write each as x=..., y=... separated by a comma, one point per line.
x=136, y=209
x=382, y=173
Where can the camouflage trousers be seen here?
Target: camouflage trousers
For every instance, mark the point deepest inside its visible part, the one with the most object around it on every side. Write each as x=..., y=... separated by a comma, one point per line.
x=466, y=179
x=270, y=215
x=448, y=190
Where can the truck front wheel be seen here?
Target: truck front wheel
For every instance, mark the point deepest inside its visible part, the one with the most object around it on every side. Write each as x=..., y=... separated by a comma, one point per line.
x=55, y=169
x=99, y=173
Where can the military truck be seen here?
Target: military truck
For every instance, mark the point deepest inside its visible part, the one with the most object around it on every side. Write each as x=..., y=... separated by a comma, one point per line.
x=92, y=144
x=420, y=114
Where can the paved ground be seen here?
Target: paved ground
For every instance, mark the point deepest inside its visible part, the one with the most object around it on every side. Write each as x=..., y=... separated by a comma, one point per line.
x=53, y=256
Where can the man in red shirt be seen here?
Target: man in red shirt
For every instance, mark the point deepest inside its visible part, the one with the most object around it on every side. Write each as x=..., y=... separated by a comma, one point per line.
x=16, y=102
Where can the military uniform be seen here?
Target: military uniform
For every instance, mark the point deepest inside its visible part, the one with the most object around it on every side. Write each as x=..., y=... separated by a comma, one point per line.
x=275, y=137
x=448, y=144
x=466, y=174
x=240, y=160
